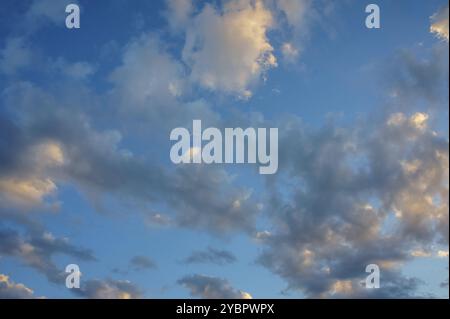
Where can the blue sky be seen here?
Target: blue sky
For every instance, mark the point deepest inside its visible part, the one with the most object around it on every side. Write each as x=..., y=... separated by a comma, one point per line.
x=86, y=178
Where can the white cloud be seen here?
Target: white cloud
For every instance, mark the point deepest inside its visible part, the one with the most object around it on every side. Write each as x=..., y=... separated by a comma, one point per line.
x=228, y=51
x=148, y=71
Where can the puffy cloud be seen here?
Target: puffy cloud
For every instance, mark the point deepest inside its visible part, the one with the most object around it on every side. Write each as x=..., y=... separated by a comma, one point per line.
x=109, y=289
x=386, y=191
x=439, y=23
x=151, y=91
x=228, y=50
x=345, y=184
x=201, y=196
x=12, y=290
x=148, y=72
x=211, y=255
x=212, y=288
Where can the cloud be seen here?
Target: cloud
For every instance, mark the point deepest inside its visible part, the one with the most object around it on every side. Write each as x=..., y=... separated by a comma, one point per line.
x=261, y=236
x=200, y=197
x=295, y=12
x=45, y=11
x=347, y=196
x=179, y=13
x=412, y=79
x=393, y=286
x=15, y=55
x=439, y=23
x=211, y=255
x=294, y=24
x=37, y=251
x=211, y=288
x=148, y=72
x=392, y=172
x=77, y=70
x=109, y=289
x=159, y=220
x=12, y=290
x=290, y=52
x=142, y=263
x=228, y=50
x=28, y=191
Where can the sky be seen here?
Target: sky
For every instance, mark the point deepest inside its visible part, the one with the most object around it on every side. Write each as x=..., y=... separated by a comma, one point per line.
x=363, y=147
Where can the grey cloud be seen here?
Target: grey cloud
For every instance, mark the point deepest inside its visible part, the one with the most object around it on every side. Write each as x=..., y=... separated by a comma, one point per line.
x=348, y=183
x=142, y=262
x=202, y=197
x=211, y=255
x=412, y=79
x=37, y=250
x=211, y=288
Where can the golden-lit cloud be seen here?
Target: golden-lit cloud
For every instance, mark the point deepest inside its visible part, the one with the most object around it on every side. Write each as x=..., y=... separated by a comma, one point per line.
x=439, y=24
x=12, y=290
x=30, y=191
x=342, y=287
x=32, y=187
x=228, y=50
